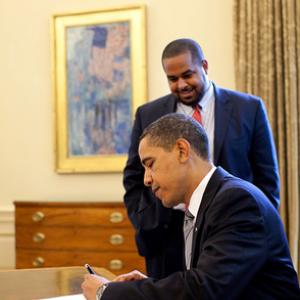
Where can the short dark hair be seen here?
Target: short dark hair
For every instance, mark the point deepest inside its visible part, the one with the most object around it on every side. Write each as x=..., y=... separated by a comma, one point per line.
x=181, y=46
x=165, y=131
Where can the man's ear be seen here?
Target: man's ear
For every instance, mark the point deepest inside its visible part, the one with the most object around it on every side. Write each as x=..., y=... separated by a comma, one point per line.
x=184, y=148
x=205, y=66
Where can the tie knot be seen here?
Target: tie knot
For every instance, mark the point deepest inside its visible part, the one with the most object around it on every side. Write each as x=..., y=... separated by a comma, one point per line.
x=188, y=215
x=197, y=113
x=197, y=107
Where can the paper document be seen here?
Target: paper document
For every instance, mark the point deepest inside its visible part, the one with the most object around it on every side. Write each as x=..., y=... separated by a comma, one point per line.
x=69, y=297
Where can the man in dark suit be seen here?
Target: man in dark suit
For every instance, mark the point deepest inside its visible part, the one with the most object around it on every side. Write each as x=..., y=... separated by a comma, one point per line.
x=238, y=247
x=240, y=141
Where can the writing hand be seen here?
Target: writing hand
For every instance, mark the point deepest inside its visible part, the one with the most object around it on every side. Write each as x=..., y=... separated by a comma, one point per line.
x=91, y=284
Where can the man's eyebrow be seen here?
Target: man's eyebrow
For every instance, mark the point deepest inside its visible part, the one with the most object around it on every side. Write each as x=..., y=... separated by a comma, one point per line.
x=144, y=161
x=171, y=76
x=187, y=72
x=182, y=74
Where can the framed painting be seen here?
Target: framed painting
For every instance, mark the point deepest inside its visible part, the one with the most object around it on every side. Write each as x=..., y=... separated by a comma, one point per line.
x=99, y=80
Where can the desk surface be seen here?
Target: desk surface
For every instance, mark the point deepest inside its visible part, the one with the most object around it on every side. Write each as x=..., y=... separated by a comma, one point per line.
x=43, y=283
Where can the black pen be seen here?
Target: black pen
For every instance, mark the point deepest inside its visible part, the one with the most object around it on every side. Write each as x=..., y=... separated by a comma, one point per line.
x=90, y=269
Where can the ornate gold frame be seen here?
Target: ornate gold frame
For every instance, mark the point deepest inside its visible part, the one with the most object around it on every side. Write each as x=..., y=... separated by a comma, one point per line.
x=135, y=16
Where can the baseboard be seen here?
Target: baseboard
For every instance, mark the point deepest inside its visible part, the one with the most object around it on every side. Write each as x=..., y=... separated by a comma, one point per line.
x=7, y=237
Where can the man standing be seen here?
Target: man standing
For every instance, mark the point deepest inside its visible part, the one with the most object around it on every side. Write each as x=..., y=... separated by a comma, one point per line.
x=235, y=245
x=240, y=141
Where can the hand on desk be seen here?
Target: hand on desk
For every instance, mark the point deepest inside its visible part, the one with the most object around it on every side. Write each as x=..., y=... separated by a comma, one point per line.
x=133, y=275
x=93, y=282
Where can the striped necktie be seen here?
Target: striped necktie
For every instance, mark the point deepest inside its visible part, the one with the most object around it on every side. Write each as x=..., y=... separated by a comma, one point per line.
x=197, y=114
x=188, y=236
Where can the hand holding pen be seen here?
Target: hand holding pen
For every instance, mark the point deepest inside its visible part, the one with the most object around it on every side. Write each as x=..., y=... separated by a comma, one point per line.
x=93, y=272
x=93, y=284
x=90, y=269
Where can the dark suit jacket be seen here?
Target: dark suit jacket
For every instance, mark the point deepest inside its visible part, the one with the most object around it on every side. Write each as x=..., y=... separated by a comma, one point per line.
x=239, y=251
x=243, y=145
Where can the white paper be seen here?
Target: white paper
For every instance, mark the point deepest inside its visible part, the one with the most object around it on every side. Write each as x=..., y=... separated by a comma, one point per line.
x=69, y=297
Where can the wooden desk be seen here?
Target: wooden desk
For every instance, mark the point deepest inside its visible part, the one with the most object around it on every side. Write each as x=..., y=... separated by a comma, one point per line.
x=24, y=284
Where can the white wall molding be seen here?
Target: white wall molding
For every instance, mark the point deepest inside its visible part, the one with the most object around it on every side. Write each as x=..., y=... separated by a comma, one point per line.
x=7, y=237
x=7, y=221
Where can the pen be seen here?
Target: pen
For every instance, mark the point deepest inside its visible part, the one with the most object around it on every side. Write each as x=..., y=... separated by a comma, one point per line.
x=90, y=269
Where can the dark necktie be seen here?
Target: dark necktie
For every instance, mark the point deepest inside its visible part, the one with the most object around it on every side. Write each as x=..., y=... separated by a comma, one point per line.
x=197, y=114
x=188, y=236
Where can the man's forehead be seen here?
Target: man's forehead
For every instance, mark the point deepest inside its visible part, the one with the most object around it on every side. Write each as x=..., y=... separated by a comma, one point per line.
x=145, y=152
x=147, y=148
x=144, y=144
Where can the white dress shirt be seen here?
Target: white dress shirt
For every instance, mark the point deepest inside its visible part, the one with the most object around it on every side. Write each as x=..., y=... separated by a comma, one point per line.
x=197, y=195
x=207, y=104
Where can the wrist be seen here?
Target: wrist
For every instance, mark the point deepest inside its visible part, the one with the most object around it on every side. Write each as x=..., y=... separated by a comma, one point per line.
x=100, y=291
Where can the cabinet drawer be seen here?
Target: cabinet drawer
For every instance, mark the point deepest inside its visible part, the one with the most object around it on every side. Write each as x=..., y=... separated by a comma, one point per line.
x=116, y=262
x=75, y=238
x=68, y=216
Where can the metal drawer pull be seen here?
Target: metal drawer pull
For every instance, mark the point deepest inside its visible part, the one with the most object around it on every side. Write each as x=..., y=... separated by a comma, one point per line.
x=39, y=237
x=38, y=216
x=38, y=261
x=116, y=217
x=116, y=239
x=115, y=264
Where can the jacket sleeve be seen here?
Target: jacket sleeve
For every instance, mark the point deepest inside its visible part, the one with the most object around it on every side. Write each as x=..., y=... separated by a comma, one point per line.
x=263, y=157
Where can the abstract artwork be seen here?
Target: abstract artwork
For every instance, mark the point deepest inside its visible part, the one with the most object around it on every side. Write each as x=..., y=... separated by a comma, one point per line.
x=99, y=61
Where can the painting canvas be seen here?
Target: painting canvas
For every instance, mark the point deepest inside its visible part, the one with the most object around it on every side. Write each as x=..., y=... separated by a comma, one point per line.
x=99, y=89
x=99, y=63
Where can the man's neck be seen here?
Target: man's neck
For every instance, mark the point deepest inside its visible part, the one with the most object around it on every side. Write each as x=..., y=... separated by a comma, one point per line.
x=197, y=174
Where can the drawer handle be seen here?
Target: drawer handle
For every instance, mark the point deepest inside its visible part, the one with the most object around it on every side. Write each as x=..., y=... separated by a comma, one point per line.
x=38, y=262
x=38, y=216
x=39, y=237
x=116, y=239
x=115, y=264
x=116, y=217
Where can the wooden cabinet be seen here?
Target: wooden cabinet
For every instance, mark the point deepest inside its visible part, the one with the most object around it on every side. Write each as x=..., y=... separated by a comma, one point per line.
x=53, y=234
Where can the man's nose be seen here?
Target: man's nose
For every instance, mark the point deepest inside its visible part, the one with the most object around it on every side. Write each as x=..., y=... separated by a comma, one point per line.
x=147, y=179
x=181, y=83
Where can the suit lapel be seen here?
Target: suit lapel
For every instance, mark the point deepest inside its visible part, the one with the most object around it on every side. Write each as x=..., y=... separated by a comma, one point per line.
x=209, y=194
x=169, y=105
x=223, y=109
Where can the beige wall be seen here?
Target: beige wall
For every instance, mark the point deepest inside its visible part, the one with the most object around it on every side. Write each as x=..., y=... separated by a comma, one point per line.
x=26, y=104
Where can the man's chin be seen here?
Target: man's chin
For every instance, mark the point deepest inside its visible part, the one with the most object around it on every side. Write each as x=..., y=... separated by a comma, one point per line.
x=188, y=101
x=167, y=203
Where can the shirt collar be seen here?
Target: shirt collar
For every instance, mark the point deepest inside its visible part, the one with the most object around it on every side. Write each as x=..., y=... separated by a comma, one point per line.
x=206, y=97
x=197, y=195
